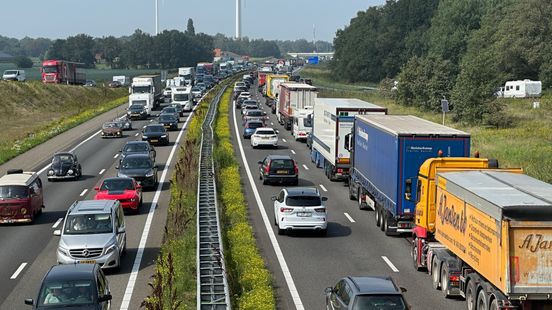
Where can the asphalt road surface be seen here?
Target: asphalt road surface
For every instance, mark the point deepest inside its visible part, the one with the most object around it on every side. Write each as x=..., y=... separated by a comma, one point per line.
x=303, y=264
x=28, y=251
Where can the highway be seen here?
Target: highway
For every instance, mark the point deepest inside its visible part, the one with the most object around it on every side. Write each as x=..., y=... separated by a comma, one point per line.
x=353, y=246
x=28, y=251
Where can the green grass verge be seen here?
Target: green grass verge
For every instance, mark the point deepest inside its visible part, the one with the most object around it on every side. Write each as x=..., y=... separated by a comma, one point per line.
x=526, y=143
x=250, y=280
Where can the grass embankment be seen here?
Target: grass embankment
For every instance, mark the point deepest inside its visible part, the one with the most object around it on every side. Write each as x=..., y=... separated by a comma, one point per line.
x=32, y=112
x=527, y=143
x=249, y=278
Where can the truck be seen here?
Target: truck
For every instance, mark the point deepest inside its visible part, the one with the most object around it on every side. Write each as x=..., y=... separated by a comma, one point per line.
x=386, y=154
x=204, y=68
x=188, y=74
x=333, y=120
x=62, y=72
x=295, y=102
x=484, y=233
x=146, y=90
x=272, y=83
x=124, y=80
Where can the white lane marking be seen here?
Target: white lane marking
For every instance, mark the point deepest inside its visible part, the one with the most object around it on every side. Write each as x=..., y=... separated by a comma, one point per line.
x=292, y=152
x=390, y=264
x=57, y=222
x=127, y=297
x=136, y=134
x=84, y=192
x=72, y=150
x=18, y=271
x=281, y=260
x=284, y=140
x=116, y=155
x=102, y=171
x=323, y=188
x=305, y=166
x=349, y=217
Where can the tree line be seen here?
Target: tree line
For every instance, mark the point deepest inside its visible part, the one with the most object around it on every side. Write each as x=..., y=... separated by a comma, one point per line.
x=459, y=49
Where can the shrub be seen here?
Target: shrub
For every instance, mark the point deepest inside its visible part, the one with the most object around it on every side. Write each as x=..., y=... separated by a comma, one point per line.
x=23, y=62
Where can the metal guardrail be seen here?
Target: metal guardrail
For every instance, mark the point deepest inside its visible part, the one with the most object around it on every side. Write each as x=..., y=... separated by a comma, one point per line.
x=212, y=284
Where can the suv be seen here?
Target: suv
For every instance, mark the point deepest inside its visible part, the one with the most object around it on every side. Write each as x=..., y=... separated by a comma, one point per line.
x=137, y=147
x=300, y=208
x=83, y=286
x=21, y=196
x=278, y=168
x=93, y=232
x=366, y=293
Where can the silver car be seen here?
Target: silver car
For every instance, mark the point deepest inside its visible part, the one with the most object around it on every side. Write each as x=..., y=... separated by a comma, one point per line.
x=93, y=232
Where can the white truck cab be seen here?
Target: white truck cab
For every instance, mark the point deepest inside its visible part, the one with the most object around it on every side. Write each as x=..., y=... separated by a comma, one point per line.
x=184, y=97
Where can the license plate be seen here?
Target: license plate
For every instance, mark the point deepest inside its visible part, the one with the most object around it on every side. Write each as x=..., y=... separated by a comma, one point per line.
x=281, y=171
x=90, y=261
x=265, y=138
x=135, y=114
x=154, y=140
x=304, y=214
x=167, y=126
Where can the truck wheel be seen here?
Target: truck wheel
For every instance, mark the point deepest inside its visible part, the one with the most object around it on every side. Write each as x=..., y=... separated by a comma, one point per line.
x=386, y=227
x=470, y=295
x=482, y=300
x=377, y=216
x=435, y=276
x=494, y=305
x=383, y=220
x=414, y=254
x=445, y=280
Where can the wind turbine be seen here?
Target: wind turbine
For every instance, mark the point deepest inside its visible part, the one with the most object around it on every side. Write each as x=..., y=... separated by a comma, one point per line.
x=238, y=19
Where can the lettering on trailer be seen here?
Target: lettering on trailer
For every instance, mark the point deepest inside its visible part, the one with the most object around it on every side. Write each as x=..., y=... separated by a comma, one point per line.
x=426, y=149
x=537, y=244
x=450, y=216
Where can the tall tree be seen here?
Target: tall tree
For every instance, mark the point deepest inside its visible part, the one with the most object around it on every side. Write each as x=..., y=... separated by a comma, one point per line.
x=190, y=30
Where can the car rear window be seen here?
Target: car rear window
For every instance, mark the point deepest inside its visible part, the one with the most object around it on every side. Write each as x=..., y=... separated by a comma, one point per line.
x=254, y=125
x=255, y=113
x=383, y=302
x=281, y=163
x=303, y=201
x=264, y=132
x=136, y=147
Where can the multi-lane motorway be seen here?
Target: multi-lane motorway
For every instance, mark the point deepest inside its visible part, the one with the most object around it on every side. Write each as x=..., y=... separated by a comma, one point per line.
x=28, y=251
x=304, y=264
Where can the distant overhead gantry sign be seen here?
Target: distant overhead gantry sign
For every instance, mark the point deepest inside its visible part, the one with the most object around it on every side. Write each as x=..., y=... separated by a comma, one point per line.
x=327, y=55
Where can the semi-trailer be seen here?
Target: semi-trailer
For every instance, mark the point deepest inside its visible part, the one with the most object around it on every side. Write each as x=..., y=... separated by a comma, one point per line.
x=295, y=103
x=62, y=72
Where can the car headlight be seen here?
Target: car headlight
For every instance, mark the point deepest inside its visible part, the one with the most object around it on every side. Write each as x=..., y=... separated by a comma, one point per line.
x=110, y=248
x=63, y=251
x=149, y=174
x=51, y=172
x=70, y=171
x=163, y=136
x=144, y=137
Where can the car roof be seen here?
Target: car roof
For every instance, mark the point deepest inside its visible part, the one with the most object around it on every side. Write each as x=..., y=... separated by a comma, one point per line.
x=154, y=125
x=24, y=178
x=137, y=142
x=275, y=156
x=92, y=206
x=71, y=272
x=302, y=191
x=375, y=285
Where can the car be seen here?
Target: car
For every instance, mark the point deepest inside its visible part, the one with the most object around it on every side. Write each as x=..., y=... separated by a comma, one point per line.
x=155, y=134
x=137, y=147
x=238, y=91
x=141, y=168
x=112, y=129
x=14, y=75
x=239, y=84
x=65, y=165
x=250, y=127
x=90, y=83
x=93, y=232
x=300, y=208
x=178, y=107
x=264, y=136
x=254, y=115
x=114, y=84
x=167, y=92
x=75, y=286
x=24, y=190
x=197, y=92
x=373, y=292
x=124, y=122
x=278, y=168
x=169, y=121
x=250, y=102
x=126, y=190
x=202, y=86
x=246, y=108
x=171, y=110
x=241, y=98
x=137, y=111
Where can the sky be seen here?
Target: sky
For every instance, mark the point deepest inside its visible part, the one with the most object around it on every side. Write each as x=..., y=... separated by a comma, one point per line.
x=267, y=19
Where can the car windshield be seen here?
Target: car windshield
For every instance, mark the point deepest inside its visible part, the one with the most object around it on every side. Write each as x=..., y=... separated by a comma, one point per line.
x=140, y=89
x=117, y=184
x=82, y=224
x=195, y=88
x=10, y=72
x=150, y=129
x=136, y=163
x=62, y=159
x=49, y=69
x=303, y=201
x=166, y=118
x=264, y=132
x=110, y=125
x=254, y=125
x=13, y=191
x=383, y=302
x=67, y=293
x=255, y=113
x=181, y=97
x=136, y=107
x=250, y=102
x=135, y=147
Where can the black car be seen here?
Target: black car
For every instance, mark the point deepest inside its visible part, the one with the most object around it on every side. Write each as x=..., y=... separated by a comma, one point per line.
x=137, y=111
x=140, y=167
x=366, y=293
x=137, y=147
x=278, y=168
x=74, y=286
x=171, y=110
x=114, y=84
x=64, y=166
x=155, y=134
x=169, y=121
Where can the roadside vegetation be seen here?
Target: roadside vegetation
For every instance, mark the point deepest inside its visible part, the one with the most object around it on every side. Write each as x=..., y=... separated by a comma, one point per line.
x=32, y=112
x=524, y=142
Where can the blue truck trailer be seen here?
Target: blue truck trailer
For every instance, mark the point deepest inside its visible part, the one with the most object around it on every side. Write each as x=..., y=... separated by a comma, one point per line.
x=386, y=154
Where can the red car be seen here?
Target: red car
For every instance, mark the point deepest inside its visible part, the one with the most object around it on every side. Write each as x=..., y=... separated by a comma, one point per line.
x=126, y=190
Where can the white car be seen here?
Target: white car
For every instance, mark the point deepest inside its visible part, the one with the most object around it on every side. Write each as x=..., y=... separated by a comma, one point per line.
x=300, y=208
x=264, y=136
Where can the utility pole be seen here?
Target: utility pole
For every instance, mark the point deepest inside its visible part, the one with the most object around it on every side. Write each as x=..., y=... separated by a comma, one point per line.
x=156, y=17
x=238, y=19
x=314, y=37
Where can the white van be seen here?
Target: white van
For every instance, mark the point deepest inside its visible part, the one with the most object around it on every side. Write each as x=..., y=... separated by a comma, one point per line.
x=522, y=89
x=14, y=75
x=183, y=96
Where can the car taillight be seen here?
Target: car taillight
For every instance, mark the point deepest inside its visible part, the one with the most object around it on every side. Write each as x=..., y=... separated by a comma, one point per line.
x=284, y=209
x=321, y=210
x=267, y=168
x=339, y=170
x=295, y=167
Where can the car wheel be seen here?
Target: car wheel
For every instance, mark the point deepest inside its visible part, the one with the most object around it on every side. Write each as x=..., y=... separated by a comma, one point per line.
x=265, y=181
x=295, y=182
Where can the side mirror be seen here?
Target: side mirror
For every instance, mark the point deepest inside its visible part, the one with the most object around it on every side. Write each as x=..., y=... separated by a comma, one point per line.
x=264, y=113
x=328, y=290
x=105, y=297
x=277, y=131
x=130, y=90
x=57, y=232
x=273, y=198
x=403, y=290
x=121, y=230
x=117, y=167
x=29, y=301
x=408, y=189
x=324, y=198
x=97, y=188
x=260, y=162
x=408, y=196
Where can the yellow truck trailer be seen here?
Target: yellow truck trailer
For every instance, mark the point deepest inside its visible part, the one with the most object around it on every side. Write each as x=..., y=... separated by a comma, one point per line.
x=273, y=82
x=484, y=233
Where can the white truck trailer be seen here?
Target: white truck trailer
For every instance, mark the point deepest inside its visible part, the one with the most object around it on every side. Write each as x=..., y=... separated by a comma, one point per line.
x=146, y=90
x=188, y=73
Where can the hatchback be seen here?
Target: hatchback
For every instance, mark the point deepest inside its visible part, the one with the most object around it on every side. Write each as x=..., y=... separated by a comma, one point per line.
x=278, y=168
x=264, y=136
x=366, y=293
x=250, y=127
x=300, y=208
x=171, y=110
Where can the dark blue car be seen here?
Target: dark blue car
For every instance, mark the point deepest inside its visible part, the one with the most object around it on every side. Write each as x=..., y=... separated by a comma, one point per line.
x=250, y=127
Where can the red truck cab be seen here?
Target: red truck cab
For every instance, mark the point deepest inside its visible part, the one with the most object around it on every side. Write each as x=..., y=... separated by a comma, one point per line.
x=21, y=196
